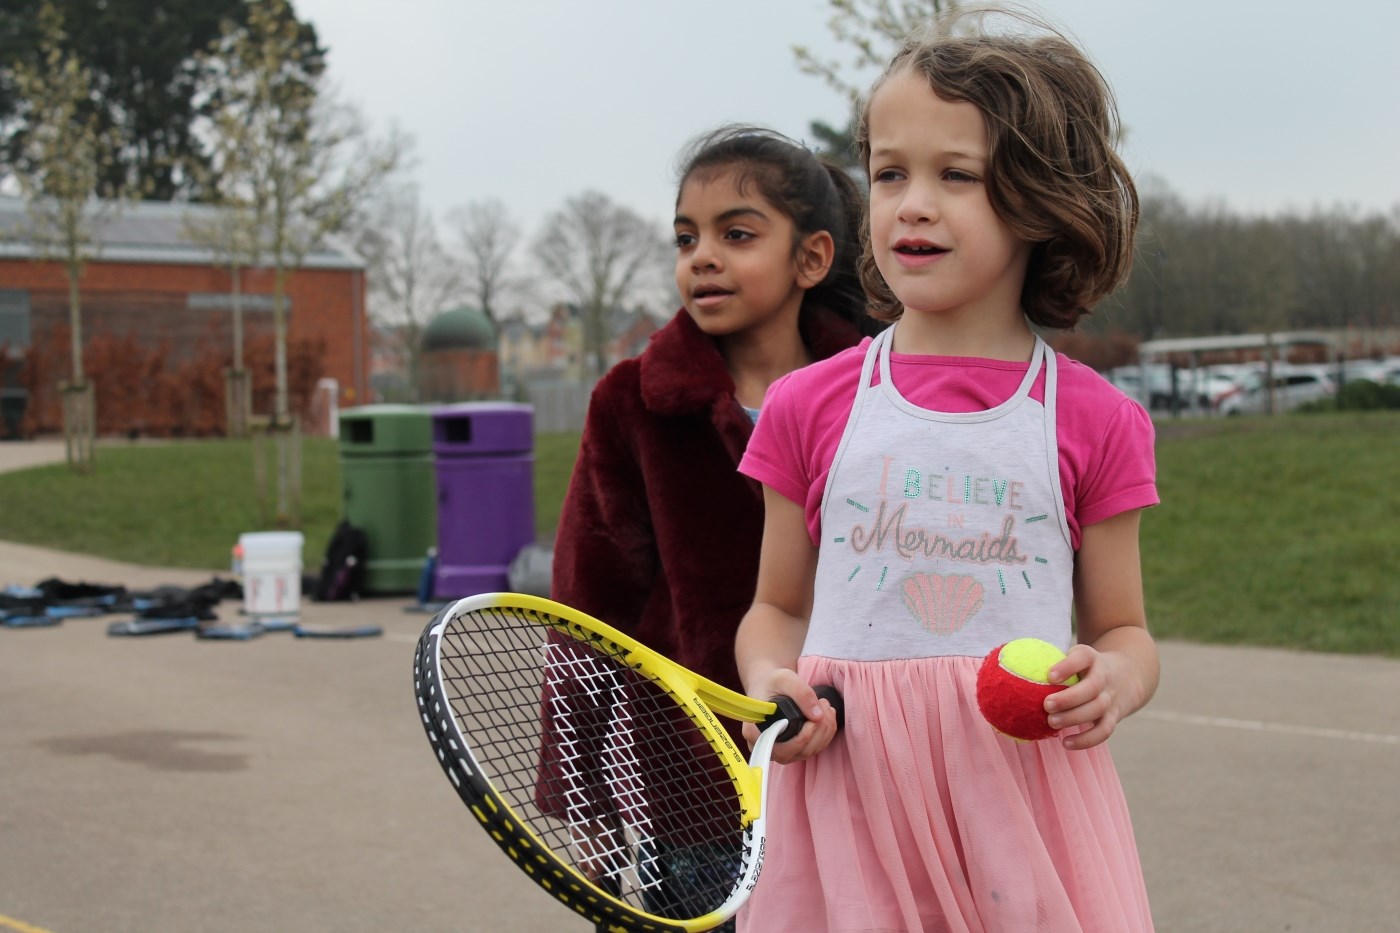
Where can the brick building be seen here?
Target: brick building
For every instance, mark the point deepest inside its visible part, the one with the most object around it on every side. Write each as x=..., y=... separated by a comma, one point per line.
x=153, y=291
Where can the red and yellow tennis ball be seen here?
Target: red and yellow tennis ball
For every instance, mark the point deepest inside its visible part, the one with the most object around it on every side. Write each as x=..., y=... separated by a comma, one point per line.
x=1012, y=685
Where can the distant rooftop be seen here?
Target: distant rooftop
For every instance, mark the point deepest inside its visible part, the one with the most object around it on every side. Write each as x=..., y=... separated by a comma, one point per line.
x=154, y=232
x=1235, y=342
x=461, y=328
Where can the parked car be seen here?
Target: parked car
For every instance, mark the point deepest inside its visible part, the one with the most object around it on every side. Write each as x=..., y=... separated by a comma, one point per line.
x=1200, y=389
x=1292, y=386
x=1130, y=379
x=1211, y=389
x=1382, y=372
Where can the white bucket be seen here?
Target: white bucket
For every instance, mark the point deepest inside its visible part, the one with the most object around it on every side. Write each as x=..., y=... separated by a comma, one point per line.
x=271, y=572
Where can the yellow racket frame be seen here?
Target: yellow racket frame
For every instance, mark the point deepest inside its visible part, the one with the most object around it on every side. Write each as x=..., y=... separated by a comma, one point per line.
x=698, y=696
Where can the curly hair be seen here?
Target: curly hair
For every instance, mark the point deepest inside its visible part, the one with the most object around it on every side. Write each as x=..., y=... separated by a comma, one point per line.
x=1054, y=176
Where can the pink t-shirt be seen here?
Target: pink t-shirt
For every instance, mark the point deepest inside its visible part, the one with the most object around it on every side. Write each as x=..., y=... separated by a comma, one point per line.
x=1105, y=438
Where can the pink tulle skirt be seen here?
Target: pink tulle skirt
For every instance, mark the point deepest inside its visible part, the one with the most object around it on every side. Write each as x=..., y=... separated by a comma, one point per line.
x=920, y=817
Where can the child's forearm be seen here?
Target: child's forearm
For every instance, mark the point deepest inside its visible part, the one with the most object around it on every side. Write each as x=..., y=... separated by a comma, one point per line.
x=768, y=639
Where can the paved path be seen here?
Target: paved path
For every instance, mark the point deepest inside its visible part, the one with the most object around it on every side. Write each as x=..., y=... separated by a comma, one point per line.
x=170, y=785
x=21, y=455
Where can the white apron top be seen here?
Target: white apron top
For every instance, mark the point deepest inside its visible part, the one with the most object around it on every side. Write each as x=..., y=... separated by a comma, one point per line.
x=942, y=533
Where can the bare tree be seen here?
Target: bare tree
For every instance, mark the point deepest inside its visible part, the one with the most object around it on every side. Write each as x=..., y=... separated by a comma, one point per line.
x=229, y=176
x=1207, y=270
x=63, y=155
x=597, y=251
x=486, y=237
x=874, y=29
x=310, y=164
x=411, y=276
x=234, y=233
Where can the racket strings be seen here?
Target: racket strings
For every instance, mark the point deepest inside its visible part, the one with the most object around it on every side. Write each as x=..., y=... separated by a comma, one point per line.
x=597, y=760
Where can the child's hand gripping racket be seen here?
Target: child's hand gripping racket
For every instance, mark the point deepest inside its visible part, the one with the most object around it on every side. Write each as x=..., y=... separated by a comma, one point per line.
x=599, y=766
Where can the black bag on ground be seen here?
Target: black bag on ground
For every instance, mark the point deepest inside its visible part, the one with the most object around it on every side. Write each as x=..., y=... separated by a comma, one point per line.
x=343, y=573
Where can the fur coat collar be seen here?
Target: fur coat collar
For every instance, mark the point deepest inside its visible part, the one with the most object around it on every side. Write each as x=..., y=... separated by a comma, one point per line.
x=682, y=372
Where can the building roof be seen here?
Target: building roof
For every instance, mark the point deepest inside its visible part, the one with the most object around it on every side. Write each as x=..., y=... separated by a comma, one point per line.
x=461, y=328
x=1152, y=348
x=156, y=232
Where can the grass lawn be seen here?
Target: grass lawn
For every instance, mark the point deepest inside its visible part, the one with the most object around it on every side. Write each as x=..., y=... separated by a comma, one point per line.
x=1273, y=531
x=1278, y=531
x=185, y=504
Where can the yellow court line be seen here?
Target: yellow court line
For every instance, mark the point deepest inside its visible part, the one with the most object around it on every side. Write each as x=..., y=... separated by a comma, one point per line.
x=19, y=926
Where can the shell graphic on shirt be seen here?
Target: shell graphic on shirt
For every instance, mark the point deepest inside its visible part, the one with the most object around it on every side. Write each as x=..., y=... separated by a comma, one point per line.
x=942, y=603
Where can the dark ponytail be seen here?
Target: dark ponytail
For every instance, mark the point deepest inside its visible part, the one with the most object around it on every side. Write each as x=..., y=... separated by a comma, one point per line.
x=841, y=291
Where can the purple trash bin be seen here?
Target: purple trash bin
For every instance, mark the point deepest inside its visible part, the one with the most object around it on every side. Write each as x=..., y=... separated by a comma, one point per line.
x=485, y=461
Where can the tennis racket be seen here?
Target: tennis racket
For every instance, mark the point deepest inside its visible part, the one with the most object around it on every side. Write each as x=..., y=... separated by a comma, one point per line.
x=598, y=765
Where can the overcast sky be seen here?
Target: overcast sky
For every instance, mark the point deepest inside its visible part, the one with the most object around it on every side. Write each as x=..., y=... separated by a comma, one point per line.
x=1266, y=106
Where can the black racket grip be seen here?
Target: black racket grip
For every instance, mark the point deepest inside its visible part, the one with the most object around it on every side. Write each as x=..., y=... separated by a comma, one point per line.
x=787, y=709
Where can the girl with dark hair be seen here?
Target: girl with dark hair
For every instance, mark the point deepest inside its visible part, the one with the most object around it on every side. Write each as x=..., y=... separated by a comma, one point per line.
x=660, y=533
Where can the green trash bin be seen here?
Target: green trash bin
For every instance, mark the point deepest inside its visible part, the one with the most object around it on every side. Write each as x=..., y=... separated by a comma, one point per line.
x=390, y=490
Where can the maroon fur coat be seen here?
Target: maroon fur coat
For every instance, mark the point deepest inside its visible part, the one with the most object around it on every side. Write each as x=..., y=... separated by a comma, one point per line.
x=660, y=533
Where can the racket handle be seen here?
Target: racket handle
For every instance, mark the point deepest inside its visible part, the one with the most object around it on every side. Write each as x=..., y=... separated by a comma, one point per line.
x=787, y=709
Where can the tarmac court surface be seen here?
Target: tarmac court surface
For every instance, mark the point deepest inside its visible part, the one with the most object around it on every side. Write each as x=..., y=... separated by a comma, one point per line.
x=171, y=785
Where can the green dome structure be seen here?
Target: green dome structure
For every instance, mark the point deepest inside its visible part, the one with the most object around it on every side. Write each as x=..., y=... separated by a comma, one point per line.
x=463, y=328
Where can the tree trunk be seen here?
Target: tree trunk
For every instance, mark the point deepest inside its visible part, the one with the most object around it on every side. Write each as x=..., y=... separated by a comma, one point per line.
x=280, y=444
x=79, y=408
x=79, y=420
x=238, y=395
x=75, y=323
x=237, y=316
x=284, y=427
x=279, y=336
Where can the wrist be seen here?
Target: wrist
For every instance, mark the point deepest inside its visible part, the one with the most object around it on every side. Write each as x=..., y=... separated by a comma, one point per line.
x=757, y=674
